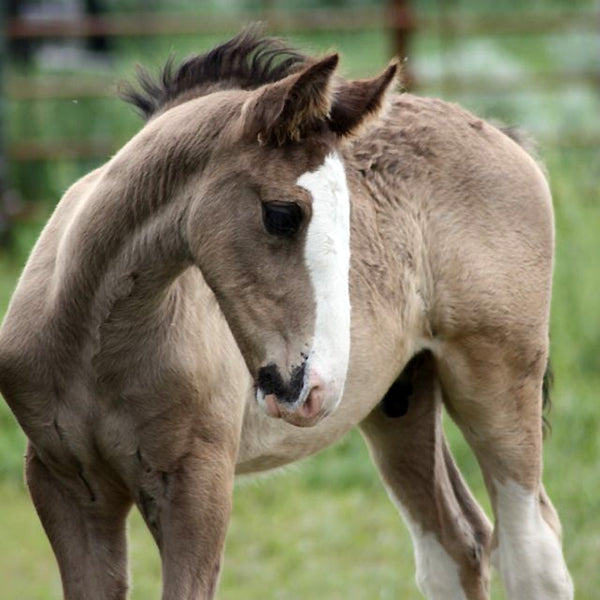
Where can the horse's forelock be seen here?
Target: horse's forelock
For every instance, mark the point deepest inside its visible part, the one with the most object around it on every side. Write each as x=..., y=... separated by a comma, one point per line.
x=245, y=62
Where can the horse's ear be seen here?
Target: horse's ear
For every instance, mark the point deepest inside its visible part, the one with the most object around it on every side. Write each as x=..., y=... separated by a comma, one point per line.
x=284, y=111
x=357, y=102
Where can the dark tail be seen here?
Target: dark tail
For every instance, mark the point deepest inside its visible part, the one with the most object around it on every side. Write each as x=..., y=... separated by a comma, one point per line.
x=547, y=384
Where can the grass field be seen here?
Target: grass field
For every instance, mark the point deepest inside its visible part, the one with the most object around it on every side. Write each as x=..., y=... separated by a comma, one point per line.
x=325, y=528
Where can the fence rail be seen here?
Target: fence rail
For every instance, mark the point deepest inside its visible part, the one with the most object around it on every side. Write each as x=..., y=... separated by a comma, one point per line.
x=155, y=24
x=396, y=18
x=74, y=87
x=61, y=87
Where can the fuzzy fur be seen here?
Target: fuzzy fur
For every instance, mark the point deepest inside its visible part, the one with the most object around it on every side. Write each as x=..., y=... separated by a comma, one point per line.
x=150, y=300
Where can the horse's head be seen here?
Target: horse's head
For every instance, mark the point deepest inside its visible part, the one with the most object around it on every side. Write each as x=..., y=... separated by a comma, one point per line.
x=269, y=227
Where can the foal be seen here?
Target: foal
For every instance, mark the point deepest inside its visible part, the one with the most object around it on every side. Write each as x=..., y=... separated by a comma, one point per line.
x=201, y=281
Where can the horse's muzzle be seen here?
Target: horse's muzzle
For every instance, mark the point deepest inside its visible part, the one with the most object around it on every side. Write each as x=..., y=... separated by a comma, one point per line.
x=302, y=404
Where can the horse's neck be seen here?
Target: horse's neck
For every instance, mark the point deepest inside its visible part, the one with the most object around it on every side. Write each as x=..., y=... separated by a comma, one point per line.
x=115, y=265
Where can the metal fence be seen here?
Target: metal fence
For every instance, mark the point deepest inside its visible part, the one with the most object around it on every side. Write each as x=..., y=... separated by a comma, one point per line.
x=396, y=20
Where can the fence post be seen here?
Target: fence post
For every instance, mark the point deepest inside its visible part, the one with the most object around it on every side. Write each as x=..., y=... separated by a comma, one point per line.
x=402, y=27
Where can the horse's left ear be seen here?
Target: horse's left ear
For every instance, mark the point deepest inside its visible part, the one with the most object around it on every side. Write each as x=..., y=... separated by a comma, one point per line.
x=357, y=102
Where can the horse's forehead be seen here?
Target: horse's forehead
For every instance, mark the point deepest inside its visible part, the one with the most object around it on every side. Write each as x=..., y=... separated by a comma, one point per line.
x=276, y=168
x=214, y=124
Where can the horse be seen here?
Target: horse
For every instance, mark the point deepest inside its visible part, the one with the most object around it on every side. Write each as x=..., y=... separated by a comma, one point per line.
x=281, y=254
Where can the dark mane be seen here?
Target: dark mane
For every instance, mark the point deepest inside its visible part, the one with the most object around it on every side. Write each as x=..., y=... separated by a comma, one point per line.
x=247, y=61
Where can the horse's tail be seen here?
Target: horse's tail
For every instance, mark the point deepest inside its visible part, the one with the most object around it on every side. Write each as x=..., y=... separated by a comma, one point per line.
x=547, y=384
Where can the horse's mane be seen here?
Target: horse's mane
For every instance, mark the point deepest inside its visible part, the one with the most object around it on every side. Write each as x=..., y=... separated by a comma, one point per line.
x=246, y=62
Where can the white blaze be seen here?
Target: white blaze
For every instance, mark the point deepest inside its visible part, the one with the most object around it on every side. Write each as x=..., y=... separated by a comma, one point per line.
x=327, y=257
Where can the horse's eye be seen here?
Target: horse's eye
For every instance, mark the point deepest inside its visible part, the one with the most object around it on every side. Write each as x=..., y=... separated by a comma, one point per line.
x=281, y=218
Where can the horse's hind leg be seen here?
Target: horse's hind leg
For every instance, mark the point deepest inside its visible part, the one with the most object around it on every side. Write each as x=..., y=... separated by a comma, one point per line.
x=450, y=532
x=87, y=533
x=494, y=393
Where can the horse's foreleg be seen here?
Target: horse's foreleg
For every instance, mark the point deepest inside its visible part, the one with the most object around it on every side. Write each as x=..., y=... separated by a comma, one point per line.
x=497, y=402
x=187, y=509
x=86, y=530
x=450, y=532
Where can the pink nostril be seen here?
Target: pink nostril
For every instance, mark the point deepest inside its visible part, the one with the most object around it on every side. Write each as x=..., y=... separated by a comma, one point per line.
x=313, y=404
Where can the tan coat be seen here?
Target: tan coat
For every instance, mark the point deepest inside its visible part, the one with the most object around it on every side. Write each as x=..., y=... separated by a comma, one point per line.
x=147, y=308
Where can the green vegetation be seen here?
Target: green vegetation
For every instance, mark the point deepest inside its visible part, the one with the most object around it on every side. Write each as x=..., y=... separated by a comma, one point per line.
x=325, y=528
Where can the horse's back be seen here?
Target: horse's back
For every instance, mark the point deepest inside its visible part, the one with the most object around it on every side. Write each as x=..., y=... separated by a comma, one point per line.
x=482, y=207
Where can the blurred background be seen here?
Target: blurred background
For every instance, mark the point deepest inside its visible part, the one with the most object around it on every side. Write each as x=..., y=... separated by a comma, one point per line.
x=323, y=529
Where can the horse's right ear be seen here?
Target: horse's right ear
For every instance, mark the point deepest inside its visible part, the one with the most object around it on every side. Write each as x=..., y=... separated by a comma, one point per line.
x=289, y=109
